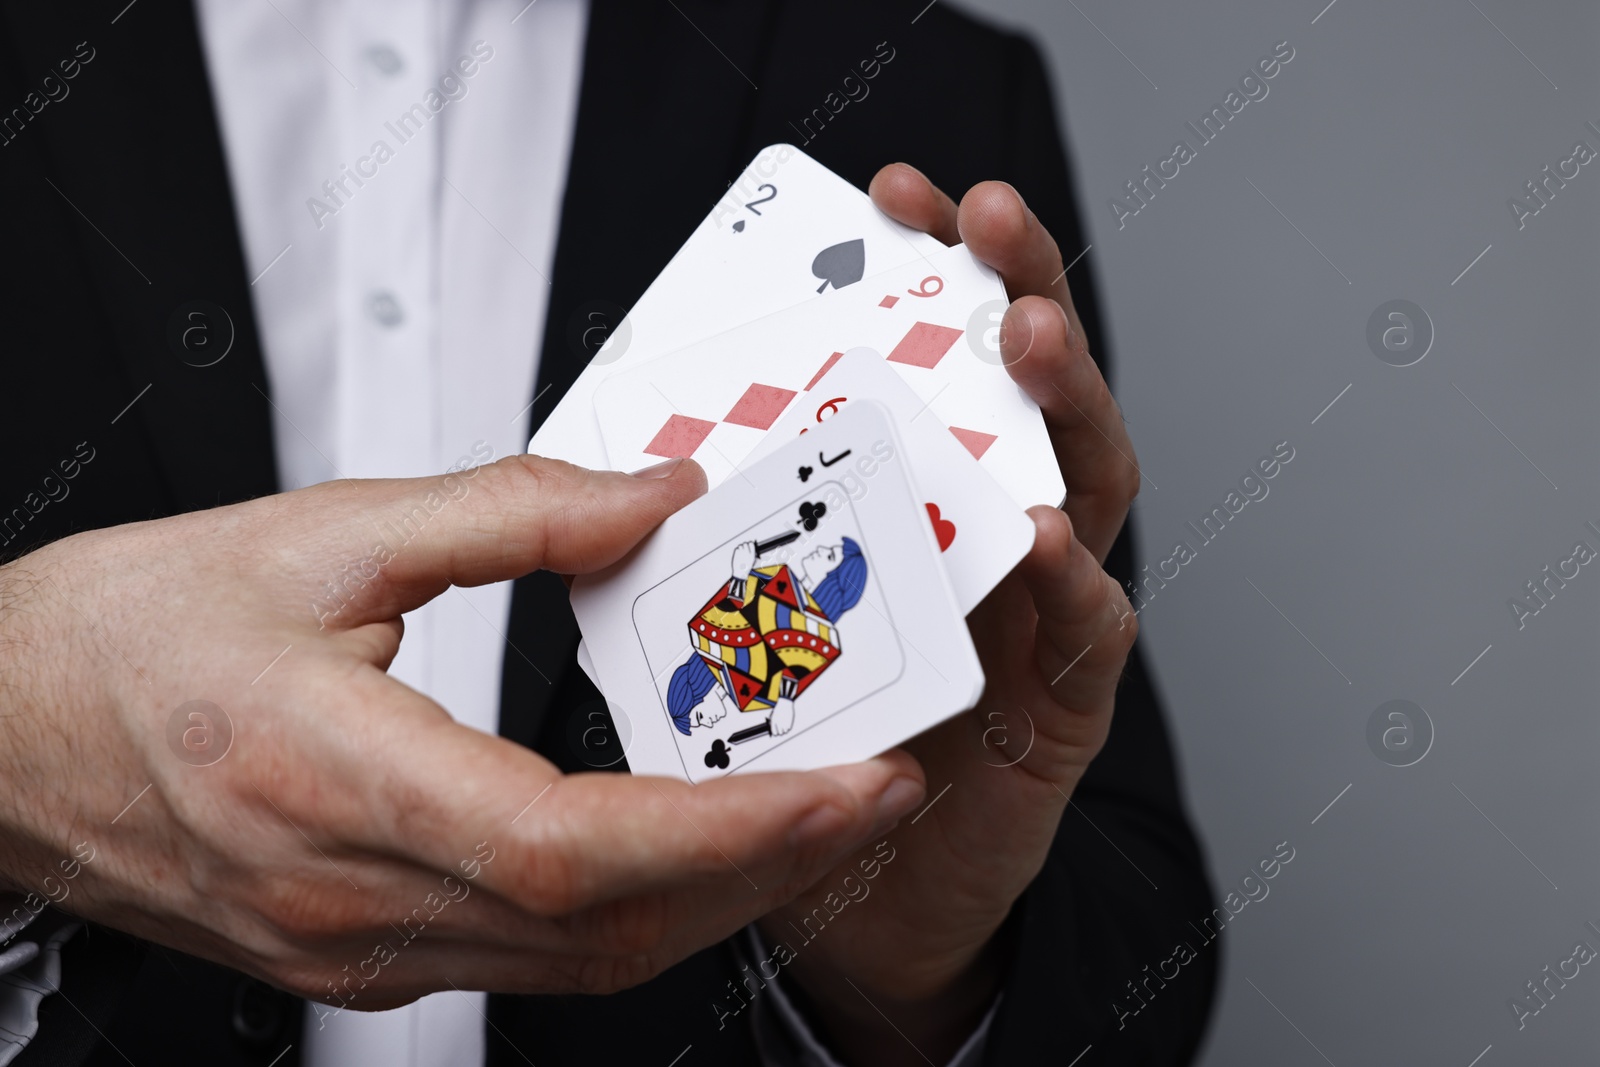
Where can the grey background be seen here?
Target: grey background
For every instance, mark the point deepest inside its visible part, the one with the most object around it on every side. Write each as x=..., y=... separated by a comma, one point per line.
x=1406, y=520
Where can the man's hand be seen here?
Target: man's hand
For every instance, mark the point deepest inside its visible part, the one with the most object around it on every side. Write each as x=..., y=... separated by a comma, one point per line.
x=1053, y=638
x=353, y=844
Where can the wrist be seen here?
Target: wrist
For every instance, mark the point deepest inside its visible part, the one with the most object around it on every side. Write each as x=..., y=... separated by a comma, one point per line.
x=926, y=1019
x=33, y=782
x=17, y=728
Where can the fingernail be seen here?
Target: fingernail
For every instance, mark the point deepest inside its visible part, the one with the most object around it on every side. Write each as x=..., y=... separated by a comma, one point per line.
x=896, y=803
x=659, y=470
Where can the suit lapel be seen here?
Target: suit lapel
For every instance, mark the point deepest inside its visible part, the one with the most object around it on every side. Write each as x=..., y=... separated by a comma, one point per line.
x=657, y=140
x=666, y=103
x=136, y=161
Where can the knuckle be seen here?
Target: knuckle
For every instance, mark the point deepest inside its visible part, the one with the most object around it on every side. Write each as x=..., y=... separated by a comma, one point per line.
x=639, y=928
x=1127, y=480
x=1129, y=633
x=551, y=885
x=634, y=927
x=611, y=974
x=806, y=866
x=305, y=911
x=532, y=475
x=522, y=485
x=1077, y=346
x=560, y=503
x=1130, y=481
x=1126, y=632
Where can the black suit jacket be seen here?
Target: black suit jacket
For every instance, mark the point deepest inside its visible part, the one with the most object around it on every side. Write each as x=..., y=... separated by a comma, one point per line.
x=117, y=213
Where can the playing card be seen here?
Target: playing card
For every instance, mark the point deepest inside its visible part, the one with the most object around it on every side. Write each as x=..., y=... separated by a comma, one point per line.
x=981, y=532
x=785, y=231
x=934, y=320
x=781, y=623
x=587, y=662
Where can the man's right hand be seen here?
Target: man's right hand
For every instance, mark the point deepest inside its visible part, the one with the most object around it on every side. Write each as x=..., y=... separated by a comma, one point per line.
x=346, y=799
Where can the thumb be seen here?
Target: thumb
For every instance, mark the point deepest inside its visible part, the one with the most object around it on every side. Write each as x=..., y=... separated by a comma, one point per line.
x=413, y=538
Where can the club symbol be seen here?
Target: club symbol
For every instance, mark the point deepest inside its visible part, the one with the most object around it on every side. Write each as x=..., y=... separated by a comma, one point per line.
x=718, y=756
x=841, y=264
x=738, y=227
x=805, y=472
x=811, y=514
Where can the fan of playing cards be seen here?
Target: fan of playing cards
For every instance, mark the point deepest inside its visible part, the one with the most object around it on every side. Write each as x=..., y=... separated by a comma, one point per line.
x=839, y=378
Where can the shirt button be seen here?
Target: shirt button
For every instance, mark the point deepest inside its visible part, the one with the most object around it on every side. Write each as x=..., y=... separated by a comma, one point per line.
x=384, y=308
x=259, y=1012
x=386, y=59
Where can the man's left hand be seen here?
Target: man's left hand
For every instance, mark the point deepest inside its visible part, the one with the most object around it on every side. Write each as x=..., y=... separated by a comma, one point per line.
x=1053, y=637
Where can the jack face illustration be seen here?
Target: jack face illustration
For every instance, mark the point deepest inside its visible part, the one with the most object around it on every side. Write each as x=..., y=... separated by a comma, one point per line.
x=764, y=637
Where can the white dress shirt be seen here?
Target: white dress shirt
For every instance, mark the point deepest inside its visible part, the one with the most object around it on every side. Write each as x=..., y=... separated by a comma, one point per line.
x=397, y=170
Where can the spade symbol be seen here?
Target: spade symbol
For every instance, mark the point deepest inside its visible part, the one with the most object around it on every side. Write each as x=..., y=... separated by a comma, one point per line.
x=811, y=514
x=805, y=472
x=738, y=227
x=841, y=264
x=718, y=756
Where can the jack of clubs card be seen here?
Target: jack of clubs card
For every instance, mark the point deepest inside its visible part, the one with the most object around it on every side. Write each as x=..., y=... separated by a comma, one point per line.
x=761, y=639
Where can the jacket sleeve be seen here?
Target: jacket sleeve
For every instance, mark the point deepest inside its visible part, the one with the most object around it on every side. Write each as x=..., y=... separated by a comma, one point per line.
x=784, y=1037
x=1109, y=945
